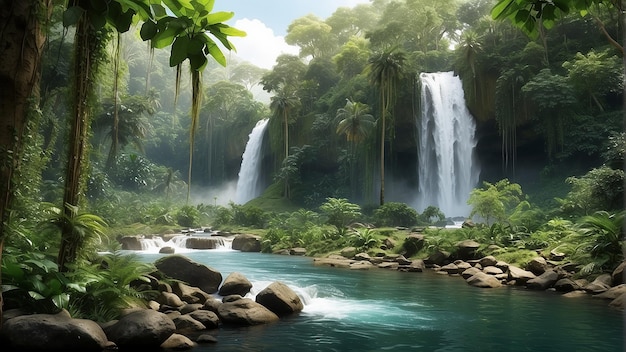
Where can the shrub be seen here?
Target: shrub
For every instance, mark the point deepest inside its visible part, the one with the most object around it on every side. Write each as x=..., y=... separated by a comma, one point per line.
x=187, y=216
x=599, y=189
x=340, y=213
x=249, y=215
x=395, y=214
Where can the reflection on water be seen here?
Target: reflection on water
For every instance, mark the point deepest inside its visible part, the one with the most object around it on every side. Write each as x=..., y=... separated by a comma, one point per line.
x=380, y=310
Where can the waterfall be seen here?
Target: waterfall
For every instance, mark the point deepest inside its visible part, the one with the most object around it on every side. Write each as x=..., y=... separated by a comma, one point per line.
x=447, y=170
x=248, y=183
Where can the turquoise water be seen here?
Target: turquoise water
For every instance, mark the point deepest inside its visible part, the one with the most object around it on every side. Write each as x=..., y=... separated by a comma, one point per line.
x=381, y=310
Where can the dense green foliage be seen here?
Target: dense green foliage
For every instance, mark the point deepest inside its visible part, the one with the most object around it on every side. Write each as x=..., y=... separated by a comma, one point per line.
x=342, y=116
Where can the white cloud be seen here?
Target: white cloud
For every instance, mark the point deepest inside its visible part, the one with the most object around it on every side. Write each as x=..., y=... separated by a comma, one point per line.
x=260, y=46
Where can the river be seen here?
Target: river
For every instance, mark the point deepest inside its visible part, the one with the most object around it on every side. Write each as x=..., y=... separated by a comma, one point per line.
x=382, y=310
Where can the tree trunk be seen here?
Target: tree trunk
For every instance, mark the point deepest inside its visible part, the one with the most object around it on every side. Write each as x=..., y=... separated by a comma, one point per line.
x=382, y=149
x=85, y=44
x=21, y=39
x=286, y=121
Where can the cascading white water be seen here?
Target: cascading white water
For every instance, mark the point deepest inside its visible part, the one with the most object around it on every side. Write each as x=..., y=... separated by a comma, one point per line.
x=248, y=183
x=447, y=169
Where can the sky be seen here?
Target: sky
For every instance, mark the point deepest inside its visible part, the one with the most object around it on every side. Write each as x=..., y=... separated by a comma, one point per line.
x=266, y=22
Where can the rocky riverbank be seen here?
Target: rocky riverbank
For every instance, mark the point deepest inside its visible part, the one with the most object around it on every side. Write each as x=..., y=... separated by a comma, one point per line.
x=182, y=316
x=187, y=311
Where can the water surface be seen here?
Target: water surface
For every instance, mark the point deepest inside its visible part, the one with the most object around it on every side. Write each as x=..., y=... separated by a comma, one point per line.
x=382, y=310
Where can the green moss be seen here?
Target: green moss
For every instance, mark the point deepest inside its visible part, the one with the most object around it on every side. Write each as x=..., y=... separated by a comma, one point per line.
x=272, y=200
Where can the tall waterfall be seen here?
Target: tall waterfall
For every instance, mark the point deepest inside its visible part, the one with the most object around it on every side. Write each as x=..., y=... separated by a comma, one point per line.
x=248, y=183
x=447, y=170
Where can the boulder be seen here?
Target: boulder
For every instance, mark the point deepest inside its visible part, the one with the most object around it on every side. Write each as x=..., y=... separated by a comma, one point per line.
x=520, y=276
x=543, y=281
x=211, y=304
x=438, y=258
x=619, y=302
x=492, y=270
x=488, y=261
x=600, y=284
x=417, y=265
x=467, y=249
x=612, y=293
x=190, y=307
x=167, y=250
x=203, y=242
x=537, y=265
x=388, y=265
x=618, y=274
x=361, y=265
x=244, y=311
x=182, y=268
x=141, y=329
x=280, y=299
x=235, y=284
x=53, y=332
x=483, y=280
x=178, y=342
x=131, y=243
x=362, y=256
x=466, y=274
x=402, y=260
x=206, y=338
x=412, y=244
x=247, y=243
x=334, y=262
x=189, y=294
x=566, y=285
x=170, y=300
x=450, y=269
x=187, y=324
x=208, y=318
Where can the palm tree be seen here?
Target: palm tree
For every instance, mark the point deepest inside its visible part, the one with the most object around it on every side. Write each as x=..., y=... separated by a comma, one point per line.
x=384, y=71
x=283, y=104
x=355, y=121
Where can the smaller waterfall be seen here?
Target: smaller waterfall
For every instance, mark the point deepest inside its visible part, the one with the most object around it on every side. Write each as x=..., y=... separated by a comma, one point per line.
x=447, y=170
x=248, y=183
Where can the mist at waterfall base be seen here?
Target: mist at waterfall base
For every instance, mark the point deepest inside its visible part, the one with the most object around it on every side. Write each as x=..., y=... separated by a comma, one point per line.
x=447, y=169
x=384, y=310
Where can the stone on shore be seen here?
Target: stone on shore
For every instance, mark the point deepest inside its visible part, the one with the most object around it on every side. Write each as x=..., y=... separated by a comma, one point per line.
x=483, y=280
x=195, y=274
x=141, y=329
x=53, y=332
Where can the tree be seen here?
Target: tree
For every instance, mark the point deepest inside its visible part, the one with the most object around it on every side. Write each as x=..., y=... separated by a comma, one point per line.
x=532, y=16
x=312, y=35
x=354, y=121
x=287, y=72
x=595, y=75
x=495, y=201
x=131, y=127
x=384, y=71
x=22, y=40
x=553, y=99
x=188, y=34
x=283, y=105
